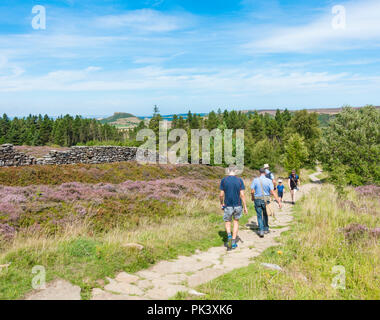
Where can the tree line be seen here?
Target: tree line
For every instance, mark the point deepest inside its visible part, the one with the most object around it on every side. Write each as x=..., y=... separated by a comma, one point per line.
x=348, y=146
x=287, y=139
x=64, y=131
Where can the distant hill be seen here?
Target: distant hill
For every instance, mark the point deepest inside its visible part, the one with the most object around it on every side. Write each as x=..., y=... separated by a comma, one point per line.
x=116, y=116
x=122, y=120
x=329, y=111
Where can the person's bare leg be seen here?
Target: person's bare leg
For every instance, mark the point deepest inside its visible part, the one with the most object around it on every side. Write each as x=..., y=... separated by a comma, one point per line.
x=228, y=227
x=292, y=194
x=236, y=229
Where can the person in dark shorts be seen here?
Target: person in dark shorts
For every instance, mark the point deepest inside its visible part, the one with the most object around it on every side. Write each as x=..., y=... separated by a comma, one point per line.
x=232, y=201
x=293, y=183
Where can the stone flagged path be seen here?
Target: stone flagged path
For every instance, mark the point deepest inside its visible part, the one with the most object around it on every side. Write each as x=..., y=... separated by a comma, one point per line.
x=166, y=278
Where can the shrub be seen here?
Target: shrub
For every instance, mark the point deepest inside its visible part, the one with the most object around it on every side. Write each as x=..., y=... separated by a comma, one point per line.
x=352, y=142
x=296, y=153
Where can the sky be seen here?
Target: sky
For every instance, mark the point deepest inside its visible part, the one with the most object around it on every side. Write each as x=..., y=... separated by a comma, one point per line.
x=100, y=57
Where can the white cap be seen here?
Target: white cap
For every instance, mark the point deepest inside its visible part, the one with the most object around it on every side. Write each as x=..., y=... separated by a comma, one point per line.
x=266, y=166
x=279, y=180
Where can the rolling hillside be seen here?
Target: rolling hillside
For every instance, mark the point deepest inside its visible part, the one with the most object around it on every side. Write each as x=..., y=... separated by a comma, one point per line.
x=122, y=120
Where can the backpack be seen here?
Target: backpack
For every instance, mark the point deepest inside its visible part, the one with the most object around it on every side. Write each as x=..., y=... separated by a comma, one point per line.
x=269, y=175
x=295, y=180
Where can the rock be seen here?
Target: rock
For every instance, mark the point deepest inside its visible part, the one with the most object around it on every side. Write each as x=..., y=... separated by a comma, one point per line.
x=56, y=290
x=164, y=293
x=203, y=276
x=99, y=294
x=125, y=277
x=124, y=288
x=144, y=284
x=196, y=293
x=100, y=282
x=4, y=266
x=271, y=266
x=134, y=245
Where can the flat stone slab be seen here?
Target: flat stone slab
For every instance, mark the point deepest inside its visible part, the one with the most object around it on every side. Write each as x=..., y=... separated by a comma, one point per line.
x=204, y=276
x=146, y=274
x=144, y=284
x=174, y=278
x=164, y=293
x=126, y=277
x=124, y=288
x=99, y=294
x=56, y=290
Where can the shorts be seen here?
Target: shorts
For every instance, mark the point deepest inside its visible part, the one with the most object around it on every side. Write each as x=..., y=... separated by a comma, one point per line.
x=280, y=195
x=235, y=212
x=293, y=187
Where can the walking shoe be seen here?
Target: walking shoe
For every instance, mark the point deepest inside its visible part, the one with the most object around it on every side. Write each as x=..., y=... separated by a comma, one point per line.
x=234, y=245
x=229, y=242
x=261, y=234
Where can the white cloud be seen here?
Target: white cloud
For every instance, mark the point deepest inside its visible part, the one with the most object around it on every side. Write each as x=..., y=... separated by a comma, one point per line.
x=146, y=20
x=362, y=28
x=8, y=69
x=234, y=81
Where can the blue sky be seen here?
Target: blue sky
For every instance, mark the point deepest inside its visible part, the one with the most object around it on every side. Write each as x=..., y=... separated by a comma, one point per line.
x=98, y=57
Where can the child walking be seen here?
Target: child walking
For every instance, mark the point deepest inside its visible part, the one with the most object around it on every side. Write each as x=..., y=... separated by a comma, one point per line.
x=280, y=190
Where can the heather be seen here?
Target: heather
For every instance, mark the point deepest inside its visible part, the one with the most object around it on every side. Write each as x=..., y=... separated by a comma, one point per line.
x=369, y=190
x=105, y=205
x=107, y=173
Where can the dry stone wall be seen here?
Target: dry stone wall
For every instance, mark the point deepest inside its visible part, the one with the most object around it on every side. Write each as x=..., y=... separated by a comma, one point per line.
x=9, y=157
x=99, y=154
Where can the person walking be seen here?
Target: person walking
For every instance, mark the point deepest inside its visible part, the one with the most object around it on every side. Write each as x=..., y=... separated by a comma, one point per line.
x=280, y=190
x=261, y=189
x=293, y=183
x=270, y=175
x=232, y=201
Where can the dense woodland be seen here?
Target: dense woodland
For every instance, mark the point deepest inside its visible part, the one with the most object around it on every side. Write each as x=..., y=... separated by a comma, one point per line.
x=64, y=131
